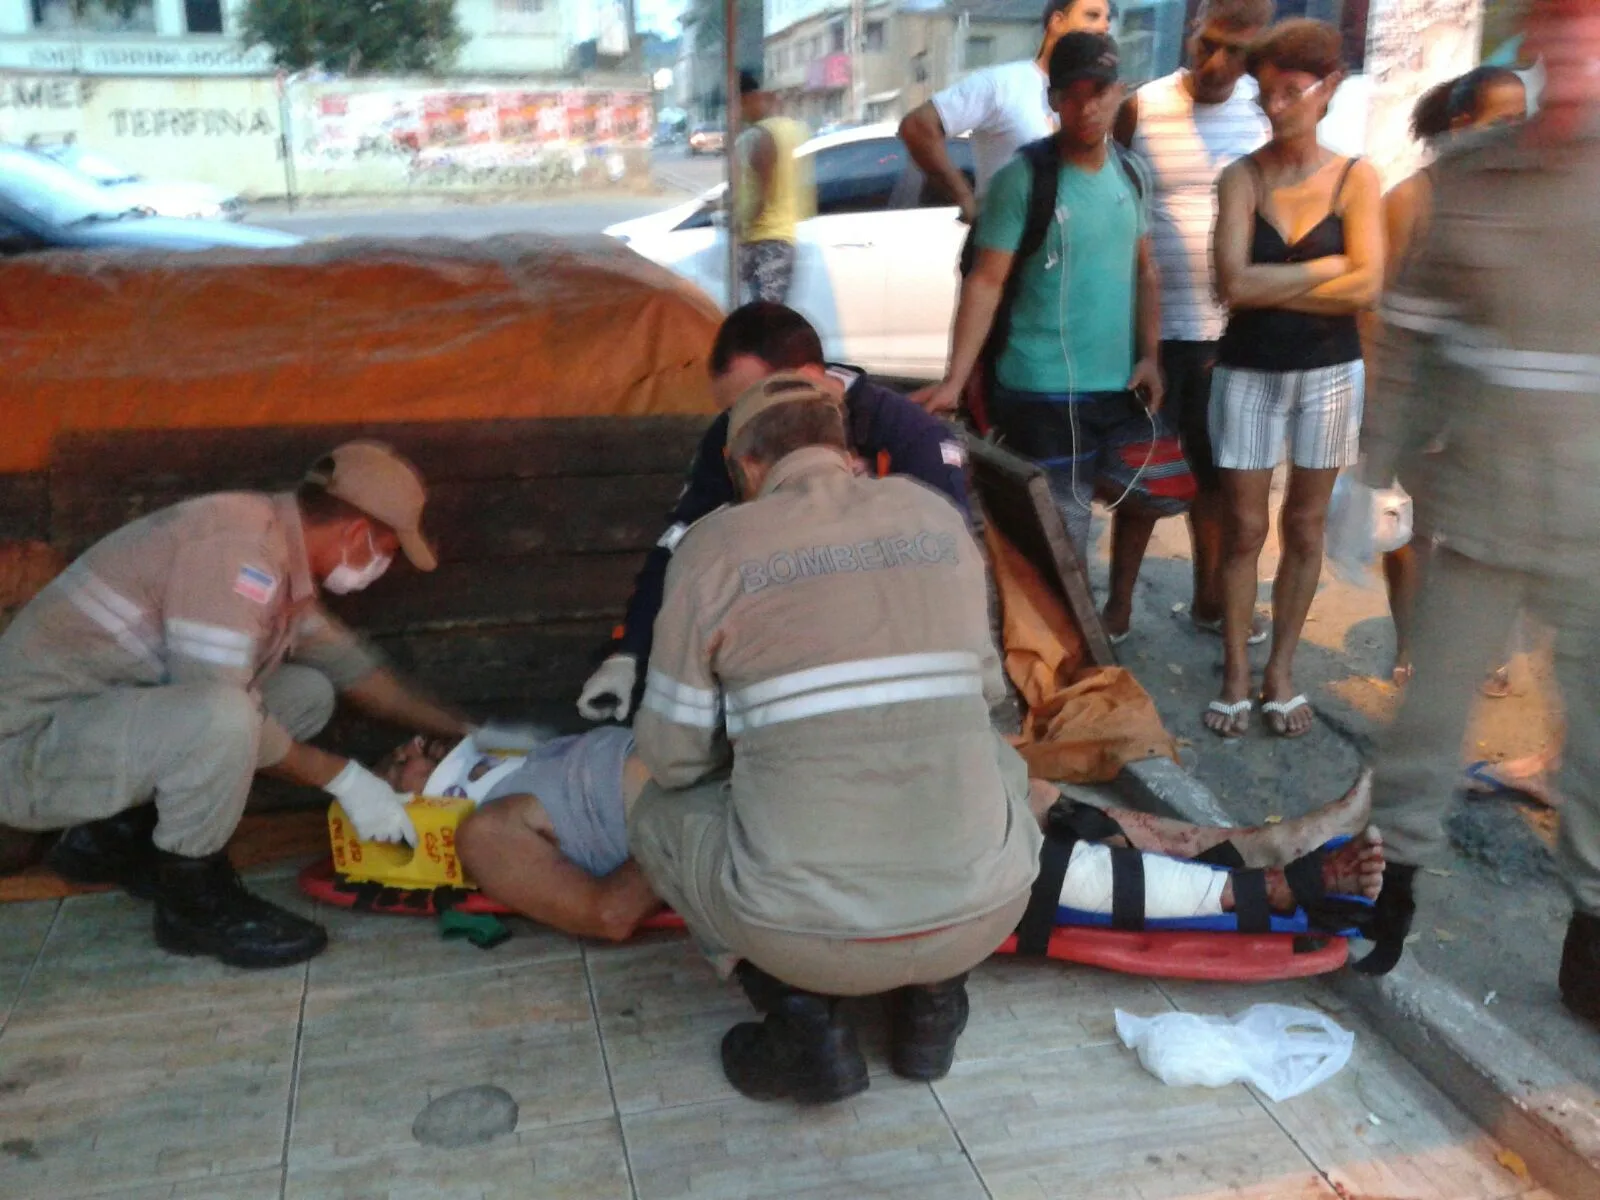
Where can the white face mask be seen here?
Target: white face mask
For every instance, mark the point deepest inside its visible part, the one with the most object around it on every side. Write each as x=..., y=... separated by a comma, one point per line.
x=345, y=579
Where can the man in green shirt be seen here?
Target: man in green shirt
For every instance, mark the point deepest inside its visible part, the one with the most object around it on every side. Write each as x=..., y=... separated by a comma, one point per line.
x=1078, y=386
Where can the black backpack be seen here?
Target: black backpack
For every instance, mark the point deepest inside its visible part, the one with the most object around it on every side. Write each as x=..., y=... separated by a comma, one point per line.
x=1044, y=172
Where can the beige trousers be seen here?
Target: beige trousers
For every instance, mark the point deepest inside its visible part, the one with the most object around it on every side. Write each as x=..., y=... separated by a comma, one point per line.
x=1465, y=615
x=193, y=747
x=680, y=841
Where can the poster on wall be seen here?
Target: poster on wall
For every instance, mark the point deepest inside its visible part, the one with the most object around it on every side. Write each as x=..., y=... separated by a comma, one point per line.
x=1412, y=45
x=465, y=136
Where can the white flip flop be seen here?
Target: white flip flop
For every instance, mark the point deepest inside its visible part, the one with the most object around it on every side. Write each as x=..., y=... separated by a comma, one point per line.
x=1232, y=712
x=1282, y=708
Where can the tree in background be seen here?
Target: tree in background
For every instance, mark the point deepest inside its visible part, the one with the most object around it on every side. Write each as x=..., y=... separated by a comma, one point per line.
x=355, y=36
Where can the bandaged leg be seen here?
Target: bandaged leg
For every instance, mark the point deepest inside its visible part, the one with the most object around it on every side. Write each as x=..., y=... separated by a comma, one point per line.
x=1173, y=889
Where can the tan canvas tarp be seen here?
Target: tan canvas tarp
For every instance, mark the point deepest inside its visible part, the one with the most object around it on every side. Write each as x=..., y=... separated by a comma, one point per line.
x=1083, y=723
x=343, y=331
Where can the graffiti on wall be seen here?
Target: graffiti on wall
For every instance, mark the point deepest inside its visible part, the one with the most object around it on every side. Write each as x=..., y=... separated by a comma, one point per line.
x=477, y=137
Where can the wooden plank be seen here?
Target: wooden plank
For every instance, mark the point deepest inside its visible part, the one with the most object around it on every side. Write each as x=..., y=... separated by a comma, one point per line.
x=24, y=507
x=1016, y=497
x=504, y=667
x=502, y=518
x=190, y=461
x=534, y=589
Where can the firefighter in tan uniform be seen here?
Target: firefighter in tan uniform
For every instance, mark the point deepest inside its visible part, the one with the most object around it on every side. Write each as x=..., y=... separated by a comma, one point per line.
x=831, y=810
x=182, y=654
x=1489, y=340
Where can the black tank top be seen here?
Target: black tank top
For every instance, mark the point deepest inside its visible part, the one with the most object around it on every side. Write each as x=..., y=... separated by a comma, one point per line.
x=1275, y=339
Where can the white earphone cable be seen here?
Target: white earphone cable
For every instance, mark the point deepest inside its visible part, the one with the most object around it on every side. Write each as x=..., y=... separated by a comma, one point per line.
x=1062, y=215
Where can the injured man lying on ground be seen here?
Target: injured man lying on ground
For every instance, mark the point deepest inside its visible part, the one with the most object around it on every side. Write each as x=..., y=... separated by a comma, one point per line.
x=549, y=840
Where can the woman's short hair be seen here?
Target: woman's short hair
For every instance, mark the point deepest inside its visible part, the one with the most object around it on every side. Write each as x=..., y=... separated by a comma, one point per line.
x=1299, y=44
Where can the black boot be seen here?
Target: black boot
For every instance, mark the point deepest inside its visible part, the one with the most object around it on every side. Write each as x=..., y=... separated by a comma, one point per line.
x=802, y=1051
x=113, y=850
x=202, y=908
x=924, y=1023
x=1580, y=967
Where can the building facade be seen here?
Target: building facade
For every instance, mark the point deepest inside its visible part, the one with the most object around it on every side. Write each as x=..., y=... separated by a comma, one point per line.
x=177, y=38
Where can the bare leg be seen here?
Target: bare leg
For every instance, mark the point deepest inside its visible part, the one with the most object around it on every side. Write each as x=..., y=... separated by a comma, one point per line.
x=1131, y=527
x=1402, y=572
x=509, y=850
x=1259, y=846
x=1245, y=496
x=1305, y=519
x=1206, y=521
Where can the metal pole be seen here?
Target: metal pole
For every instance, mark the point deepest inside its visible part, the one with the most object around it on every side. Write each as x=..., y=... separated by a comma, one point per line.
x=730, y=94
x=858, y=66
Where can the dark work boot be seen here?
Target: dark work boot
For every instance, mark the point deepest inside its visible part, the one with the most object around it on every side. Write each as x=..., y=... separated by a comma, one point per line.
x=202, y=908
x=802, y=1051
x=924, y=1023
x=1580, y=967
x=114, y=850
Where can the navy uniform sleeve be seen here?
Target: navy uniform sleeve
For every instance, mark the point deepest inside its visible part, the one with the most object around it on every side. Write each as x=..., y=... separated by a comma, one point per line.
x=916, y=443
x=707, y=488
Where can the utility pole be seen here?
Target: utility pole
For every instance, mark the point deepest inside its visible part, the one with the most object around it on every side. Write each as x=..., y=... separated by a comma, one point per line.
x=858, y=66
x=730, y=92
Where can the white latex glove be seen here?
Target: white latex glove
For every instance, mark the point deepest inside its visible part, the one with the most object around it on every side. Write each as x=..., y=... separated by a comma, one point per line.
x=609, y=693
x=376, y=810
x=515, y=739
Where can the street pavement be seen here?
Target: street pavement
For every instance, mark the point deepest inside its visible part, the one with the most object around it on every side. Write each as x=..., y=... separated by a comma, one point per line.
x=1493, y=916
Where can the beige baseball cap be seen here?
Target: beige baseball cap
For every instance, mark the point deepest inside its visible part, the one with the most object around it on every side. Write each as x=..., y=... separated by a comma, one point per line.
x=382, y=484
x=786, y=387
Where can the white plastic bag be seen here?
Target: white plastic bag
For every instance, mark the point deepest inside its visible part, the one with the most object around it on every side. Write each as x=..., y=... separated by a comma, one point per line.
x=1281, y=1049
x=1364, y=522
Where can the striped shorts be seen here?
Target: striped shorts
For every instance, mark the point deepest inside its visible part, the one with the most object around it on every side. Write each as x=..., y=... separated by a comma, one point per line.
x=1316, y=413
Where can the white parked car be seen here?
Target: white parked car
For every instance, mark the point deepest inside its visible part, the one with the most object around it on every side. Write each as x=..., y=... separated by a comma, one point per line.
x=128, y=189
x=876, y=267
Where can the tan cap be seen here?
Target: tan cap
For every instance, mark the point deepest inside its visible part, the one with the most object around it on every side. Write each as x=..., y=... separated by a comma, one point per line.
x=786, y=387
x=382, y=484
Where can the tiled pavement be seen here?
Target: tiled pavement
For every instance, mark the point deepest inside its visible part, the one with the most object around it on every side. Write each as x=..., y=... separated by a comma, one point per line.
x=128, y=1074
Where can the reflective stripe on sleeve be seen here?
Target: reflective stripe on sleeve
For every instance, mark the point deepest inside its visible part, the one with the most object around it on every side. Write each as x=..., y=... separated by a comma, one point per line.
x=669, y=540
x=863, y=683
x=681, y=703
x=215, y=644
x=113, y=612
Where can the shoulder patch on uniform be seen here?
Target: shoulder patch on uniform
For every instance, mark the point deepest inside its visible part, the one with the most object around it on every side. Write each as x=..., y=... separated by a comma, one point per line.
x=954, y=454
x=255, y=584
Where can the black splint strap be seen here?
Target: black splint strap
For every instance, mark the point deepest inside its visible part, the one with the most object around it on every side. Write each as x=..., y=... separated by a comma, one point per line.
x=1127, y=889
x=1304, y=877
x=1250, y=907
x=1081, y=822
x=1039, y=920
x=1223, y=854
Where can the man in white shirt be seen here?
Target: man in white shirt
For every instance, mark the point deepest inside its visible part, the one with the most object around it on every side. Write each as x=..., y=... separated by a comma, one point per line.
x=1188, y=126
x=1003, y=108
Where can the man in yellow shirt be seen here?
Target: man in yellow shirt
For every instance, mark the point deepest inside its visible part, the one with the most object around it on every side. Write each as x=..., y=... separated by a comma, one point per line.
x=776, y=192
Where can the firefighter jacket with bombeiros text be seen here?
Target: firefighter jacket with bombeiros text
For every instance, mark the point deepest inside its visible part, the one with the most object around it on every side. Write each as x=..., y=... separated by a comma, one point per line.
x=213, y=590
x=890, y=434
x=829, y=641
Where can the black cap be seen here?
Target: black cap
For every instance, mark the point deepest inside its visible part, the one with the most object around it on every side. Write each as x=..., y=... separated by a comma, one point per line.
x=1083, y=56
x=748, y=83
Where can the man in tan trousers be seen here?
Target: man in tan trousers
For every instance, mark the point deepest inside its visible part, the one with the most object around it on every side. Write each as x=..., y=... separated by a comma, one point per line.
x=184, y=653
x=1489, y=339
x=828, y=641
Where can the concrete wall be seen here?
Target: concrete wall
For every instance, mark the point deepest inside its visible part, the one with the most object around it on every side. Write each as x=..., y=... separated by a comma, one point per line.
x=370, y=135
x=221, y=131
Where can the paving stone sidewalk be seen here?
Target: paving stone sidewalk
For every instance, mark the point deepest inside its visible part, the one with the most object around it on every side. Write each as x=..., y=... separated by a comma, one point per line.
x=129, y=1074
